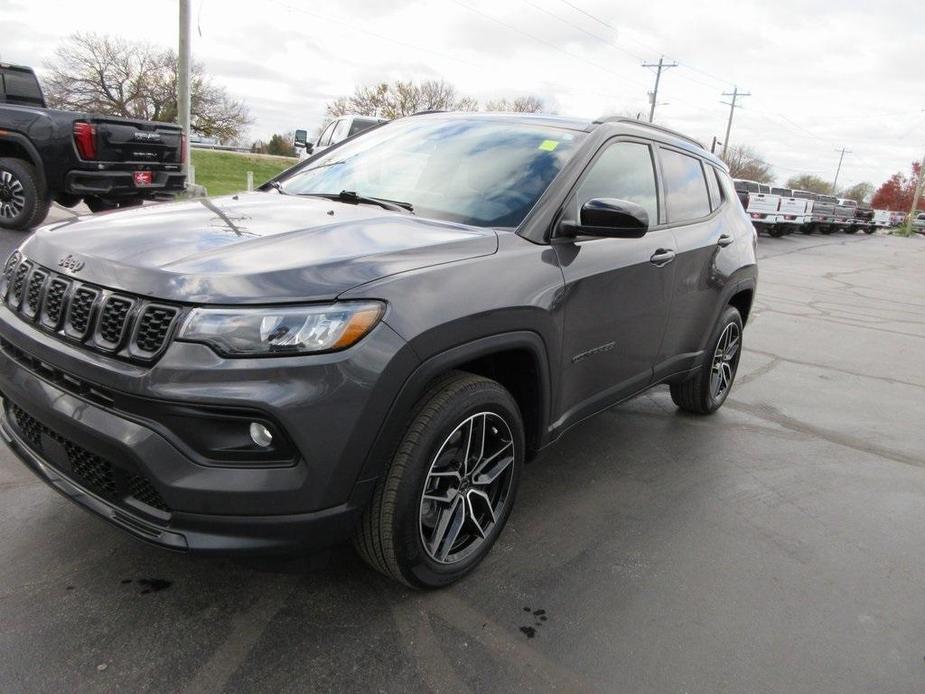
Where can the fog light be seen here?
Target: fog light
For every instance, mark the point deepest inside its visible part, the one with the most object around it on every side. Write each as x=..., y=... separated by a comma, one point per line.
x=260, y=435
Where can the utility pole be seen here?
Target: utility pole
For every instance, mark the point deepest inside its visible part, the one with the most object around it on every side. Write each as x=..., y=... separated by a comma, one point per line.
x=653, y=95
x=918, y=194
x=844, y=151
x=183, y=79
x=732, y=107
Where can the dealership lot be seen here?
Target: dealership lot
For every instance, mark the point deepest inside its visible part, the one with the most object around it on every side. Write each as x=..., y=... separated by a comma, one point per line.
x=775, y=546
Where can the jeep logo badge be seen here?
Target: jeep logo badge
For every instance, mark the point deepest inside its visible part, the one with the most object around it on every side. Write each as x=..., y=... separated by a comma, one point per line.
x=70, y=263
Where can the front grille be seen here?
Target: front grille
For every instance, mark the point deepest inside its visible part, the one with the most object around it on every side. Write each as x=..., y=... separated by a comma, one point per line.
x=34, y=292
x=94, y=473
x=80, y=310
x=54, y=302
x=113, y=319
x=154, y=327
x=19, y=283
x=97, y=317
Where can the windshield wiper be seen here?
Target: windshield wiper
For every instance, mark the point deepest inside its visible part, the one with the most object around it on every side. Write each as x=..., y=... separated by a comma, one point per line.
x=351, y=197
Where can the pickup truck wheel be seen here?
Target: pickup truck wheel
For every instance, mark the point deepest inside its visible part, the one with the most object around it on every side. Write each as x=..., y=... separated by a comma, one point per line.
x=776, y=231
x=851, y=230
x=807, y=229
x=450, y=487
x=870, y=230
x=23, y=201
x=708, y=389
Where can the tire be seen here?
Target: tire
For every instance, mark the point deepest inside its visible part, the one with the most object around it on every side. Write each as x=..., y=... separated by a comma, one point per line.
x=851, y=230
x=399, y=534
x=870, y=230
x=699, y=394
x=775, y=231
x=807, y=229
x=23, y=201
x=100, y=205
x=826, y=230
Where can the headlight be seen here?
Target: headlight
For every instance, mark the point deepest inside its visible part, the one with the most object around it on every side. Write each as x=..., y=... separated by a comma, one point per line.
x=283, y=330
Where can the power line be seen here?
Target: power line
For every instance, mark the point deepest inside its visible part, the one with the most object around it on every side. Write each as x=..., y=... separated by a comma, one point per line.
x=653, y=95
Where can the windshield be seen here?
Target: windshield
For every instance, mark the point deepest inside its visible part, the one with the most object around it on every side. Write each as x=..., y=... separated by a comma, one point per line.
x=478, y=171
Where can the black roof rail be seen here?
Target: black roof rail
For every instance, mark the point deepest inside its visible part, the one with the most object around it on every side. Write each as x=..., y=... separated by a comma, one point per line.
x=424, y=113
x=646, y=124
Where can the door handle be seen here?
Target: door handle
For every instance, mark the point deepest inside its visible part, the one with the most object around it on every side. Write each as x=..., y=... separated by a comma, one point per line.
x=725, y=240
x=662, y=256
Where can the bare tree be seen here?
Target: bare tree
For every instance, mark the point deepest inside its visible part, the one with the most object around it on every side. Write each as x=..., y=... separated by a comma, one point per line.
x=813, y=184
x=859, y=192
x=105, y=74
x=397, y=99
x=744, y=162
x=522, y=104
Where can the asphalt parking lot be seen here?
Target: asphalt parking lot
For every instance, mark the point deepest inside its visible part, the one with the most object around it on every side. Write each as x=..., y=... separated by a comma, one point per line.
x=773, y=547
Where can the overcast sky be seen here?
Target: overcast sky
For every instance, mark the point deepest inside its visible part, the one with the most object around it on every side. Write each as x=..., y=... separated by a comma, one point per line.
x=822, y=74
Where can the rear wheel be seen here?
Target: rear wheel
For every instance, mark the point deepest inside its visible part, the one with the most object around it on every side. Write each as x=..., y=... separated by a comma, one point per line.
x=851, y=230
x=450, y=487
x=807, y=229
x=708, y=389
x=23, y=201
x=776, y=231
x=870, y=230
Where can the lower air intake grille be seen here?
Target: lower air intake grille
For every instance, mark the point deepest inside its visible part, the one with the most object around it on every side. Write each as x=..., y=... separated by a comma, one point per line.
x=91, y=471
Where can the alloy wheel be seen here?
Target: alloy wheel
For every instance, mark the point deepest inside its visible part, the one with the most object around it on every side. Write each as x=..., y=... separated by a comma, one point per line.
x=725, y=360
x=12, y=196
x=467, y=488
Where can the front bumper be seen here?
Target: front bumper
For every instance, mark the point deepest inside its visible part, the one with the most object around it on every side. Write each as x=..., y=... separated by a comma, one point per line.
x=137, y=474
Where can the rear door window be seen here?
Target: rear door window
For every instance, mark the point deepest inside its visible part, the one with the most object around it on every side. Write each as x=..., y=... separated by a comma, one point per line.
x=625, y=171
x=685, y=187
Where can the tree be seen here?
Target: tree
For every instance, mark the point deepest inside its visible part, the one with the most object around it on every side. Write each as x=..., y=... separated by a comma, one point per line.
x=859, y=192
x=813, y=184
x=397, y=99
x=744, y=162
x=108, y=75
x=897, y=192
x=281, y=145
x=522, y=104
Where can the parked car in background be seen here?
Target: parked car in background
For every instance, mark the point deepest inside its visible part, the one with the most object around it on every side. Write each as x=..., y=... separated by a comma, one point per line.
x=863, y=219
x=336, y=131
x=897, y=219
x=407, y=320
x=791, y=211
x=844, y=214
x=760, y=205
x=918, y=222
x=882, y=219
x=65, y=157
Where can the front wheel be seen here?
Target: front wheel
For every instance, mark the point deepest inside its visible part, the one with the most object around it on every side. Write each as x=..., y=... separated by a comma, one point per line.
x=23, y=201
x=450, y=487
x=707, y=390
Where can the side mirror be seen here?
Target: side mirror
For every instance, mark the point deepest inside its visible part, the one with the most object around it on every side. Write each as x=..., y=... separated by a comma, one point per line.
x=609, y=217
x=301, y=138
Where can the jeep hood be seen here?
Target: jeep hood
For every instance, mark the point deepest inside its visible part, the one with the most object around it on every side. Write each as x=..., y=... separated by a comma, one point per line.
x=251, y=248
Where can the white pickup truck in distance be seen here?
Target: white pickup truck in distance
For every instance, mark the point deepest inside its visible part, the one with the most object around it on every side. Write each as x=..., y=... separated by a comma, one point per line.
x=760, y=204
x=791, y=209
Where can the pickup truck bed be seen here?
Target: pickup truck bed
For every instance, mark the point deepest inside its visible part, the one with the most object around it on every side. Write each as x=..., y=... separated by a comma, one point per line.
x=63, y=156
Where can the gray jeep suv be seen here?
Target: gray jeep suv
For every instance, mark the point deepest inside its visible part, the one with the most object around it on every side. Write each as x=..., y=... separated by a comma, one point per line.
x=372, y=345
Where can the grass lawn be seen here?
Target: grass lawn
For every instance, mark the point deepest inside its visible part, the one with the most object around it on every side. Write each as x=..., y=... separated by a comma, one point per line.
x=226, y=172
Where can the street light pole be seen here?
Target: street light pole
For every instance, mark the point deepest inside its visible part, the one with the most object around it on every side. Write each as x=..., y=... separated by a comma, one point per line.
x=183, y=80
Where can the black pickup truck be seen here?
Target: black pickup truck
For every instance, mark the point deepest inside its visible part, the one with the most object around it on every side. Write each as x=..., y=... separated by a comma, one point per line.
x=63, y=156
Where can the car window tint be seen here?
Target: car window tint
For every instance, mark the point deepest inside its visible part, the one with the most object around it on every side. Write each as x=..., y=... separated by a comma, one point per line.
x=624, y=171
x=360, y=124
x=685, y=187
x=716, y=198
x=340, y=132
x=325, y=138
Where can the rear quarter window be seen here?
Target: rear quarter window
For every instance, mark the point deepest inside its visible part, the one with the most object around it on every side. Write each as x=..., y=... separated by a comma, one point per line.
x=716, y=194
x=685, y=187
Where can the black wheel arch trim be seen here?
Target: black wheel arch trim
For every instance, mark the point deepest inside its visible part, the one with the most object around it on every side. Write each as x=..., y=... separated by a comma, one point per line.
x=415, y=385
x=35, y=159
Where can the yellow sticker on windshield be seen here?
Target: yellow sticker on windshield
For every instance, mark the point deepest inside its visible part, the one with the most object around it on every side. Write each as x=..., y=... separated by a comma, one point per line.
x=548, y=145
